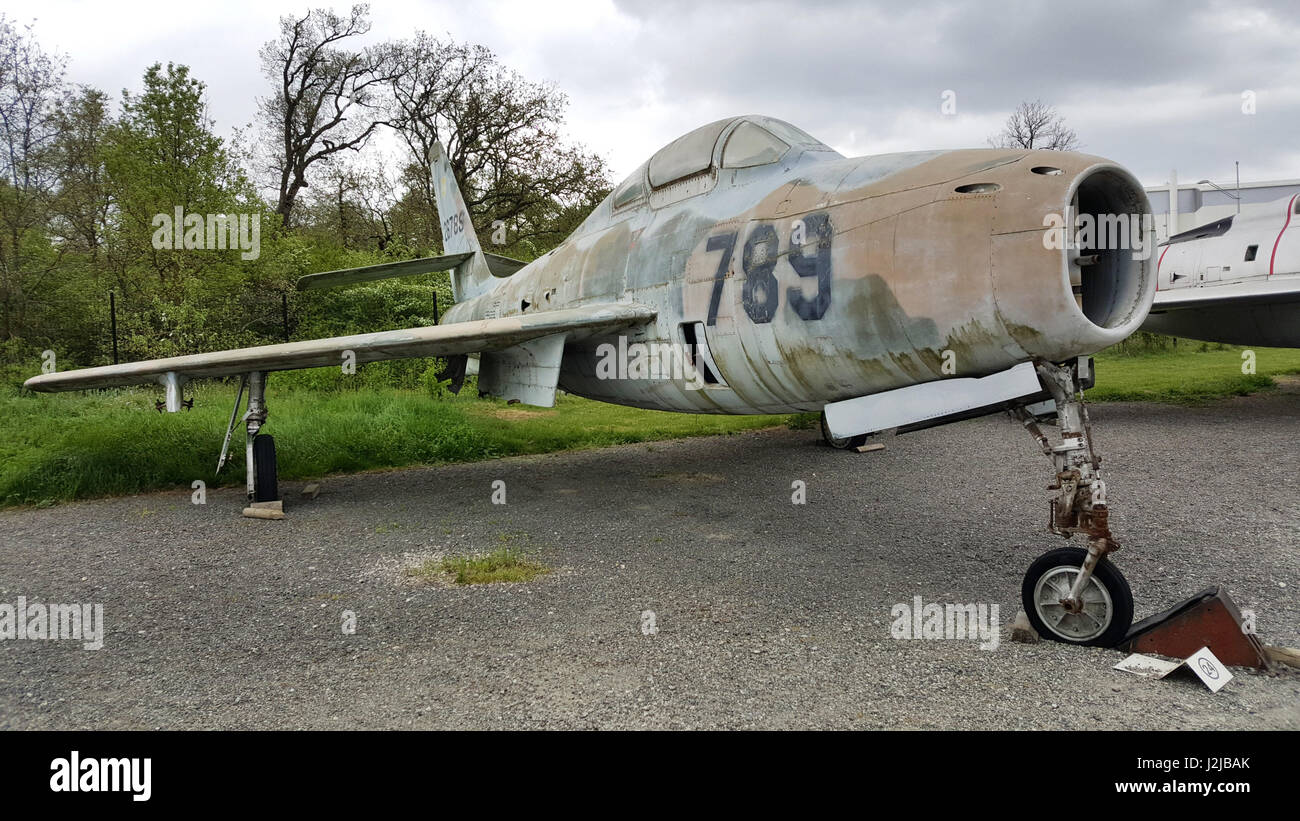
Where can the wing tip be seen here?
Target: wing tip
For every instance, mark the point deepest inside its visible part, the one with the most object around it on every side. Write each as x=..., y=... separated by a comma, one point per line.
x=42, y=383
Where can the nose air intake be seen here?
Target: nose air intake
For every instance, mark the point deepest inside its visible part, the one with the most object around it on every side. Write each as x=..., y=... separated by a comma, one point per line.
x=1108, y=260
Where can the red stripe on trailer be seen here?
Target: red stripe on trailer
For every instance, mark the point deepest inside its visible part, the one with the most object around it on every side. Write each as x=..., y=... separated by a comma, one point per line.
x=1273, y=256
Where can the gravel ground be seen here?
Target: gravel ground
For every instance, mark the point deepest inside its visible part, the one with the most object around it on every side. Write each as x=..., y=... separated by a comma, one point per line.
x=769, y=614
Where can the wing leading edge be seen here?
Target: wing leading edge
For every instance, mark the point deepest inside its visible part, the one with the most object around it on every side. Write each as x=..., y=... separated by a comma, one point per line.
x=1246, y=292
x=479, y=336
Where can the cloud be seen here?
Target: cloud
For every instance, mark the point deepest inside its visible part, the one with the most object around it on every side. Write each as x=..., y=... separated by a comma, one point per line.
x=1151, y=85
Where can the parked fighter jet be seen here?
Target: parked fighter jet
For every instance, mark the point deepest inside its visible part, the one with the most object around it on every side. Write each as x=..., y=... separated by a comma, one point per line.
x=1236, y=280
x=890, y=292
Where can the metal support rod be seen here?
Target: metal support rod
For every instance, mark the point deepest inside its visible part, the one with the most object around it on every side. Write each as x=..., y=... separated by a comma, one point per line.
x=230, y=428
x=1074, y=601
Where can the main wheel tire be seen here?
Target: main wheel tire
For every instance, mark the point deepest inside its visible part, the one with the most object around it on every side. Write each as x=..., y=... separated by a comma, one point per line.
x=265, y=484
x=841, y=444
x=1107, y=600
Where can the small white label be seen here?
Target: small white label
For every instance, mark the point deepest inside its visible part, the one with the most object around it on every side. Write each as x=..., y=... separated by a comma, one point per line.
x=1209, y=669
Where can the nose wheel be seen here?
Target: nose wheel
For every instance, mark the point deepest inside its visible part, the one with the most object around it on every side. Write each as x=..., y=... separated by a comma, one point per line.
x=1100, y=615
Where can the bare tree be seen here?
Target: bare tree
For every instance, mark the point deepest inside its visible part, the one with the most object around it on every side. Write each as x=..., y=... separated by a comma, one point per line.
x=326, y=97
x=353, y=203
x=435, y=77
x=1036, y=125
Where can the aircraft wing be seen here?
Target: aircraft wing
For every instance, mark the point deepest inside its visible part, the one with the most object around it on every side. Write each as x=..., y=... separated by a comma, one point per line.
x=1246, y=292
x=511, y=336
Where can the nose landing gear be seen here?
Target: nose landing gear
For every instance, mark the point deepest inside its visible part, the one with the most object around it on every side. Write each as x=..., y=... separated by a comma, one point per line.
x=1071, y=594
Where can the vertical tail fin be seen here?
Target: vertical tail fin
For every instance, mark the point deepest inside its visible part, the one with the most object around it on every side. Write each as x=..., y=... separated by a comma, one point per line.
x=471, y=277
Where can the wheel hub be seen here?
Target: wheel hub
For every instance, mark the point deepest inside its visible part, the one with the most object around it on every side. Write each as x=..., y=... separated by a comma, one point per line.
x=1077, y=619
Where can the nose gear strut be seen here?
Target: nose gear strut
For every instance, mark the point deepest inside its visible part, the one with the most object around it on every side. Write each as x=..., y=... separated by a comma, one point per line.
x=1083, y=605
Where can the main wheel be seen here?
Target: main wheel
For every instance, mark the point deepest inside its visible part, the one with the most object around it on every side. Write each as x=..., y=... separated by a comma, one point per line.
x=1107, y=601
x=841, y=444
x=265, y=485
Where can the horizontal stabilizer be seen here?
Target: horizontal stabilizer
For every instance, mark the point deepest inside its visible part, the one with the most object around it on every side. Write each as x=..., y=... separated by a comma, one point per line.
x=502, y=266
x=406, y=268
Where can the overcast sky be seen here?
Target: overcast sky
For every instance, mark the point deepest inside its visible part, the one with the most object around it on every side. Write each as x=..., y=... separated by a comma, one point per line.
x=1152, y=86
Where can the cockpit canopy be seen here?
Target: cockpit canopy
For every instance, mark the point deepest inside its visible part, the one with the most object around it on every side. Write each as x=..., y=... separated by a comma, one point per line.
x=746, y=142
x=754, y=140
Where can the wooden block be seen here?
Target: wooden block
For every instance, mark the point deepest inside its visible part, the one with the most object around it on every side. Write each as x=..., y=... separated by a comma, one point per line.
x=1022, y=631
x=1283, y=655
x=276, y=505
x=263, y=513
x=311, y=491
x=868, y=448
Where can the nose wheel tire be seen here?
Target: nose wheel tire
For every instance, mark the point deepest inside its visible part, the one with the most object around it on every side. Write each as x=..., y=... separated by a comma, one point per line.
x=1107, y=603
x=841, y=444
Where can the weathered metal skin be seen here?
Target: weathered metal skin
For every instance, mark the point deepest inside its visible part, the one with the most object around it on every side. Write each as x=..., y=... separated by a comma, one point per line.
x=906, y=261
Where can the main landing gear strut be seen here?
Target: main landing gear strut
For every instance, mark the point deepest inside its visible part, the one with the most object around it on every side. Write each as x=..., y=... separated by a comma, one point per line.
x=1071, y=594
x=259, y=448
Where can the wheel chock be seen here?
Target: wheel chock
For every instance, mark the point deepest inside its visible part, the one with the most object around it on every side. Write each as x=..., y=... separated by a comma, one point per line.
x=1208, y=619
x=265, y=510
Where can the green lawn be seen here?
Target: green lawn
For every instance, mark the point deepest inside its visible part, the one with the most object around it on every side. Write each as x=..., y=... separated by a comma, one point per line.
x=57, y=447
x=1188, y=374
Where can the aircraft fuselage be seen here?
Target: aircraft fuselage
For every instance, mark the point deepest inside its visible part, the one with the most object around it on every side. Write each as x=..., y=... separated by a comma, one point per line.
x=819, y=278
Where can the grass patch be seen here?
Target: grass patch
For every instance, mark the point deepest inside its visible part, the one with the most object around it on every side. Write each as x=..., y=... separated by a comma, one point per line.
x=1187, y=374
x=59, y=447
x=502, y=565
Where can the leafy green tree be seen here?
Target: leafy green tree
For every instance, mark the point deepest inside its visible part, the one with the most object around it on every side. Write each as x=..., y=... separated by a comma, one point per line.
x=31, y=82
x=162, y=155
x=81, y=207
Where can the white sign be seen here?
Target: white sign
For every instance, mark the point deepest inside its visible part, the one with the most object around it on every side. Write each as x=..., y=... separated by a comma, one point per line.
x=1203, y=663
x=1209, y=669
